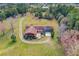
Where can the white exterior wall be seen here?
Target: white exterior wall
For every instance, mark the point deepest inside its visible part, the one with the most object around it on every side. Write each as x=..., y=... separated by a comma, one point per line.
x=38, y=35
x=47, y=34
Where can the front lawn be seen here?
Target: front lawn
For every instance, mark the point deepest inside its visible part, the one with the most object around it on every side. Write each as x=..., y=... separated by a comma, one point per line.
x=20, y=48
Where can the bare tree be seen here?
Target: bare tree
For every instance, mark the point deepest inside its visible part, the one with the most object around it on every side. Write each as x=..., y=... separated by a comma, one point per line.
x=2, y=27
x=70, y=42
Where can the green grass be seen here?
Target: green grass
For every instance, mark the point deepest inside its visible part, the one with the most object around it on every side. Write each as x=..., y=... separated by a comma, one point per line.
x=20, y=48
x=33, y=50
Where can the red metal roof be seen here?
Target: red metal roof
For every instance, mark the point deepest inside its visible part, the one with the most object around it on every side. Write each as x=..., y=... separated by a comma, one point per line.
x=35, y=29
x=31, y=30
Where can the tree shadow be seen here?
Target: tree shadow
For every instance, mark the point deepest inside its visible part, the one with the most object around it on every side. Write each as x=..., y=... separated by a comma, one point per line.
x=2, y=35
x=10, y=44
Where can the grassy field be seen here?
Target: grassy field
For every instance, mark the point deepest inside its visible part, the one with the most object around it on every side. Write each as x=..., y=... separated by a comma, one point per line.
x=23, y=49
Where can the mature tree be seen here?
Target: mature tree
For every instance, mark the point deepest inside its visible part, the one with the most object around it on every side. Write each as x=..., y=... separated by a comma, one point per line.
x=73, y=17
x=11, y=11
x=2, y=15
x=64, y=9
x=22, y=8
x=76, y=25
x=53, y=10
x=39, y=12
x=59, y=9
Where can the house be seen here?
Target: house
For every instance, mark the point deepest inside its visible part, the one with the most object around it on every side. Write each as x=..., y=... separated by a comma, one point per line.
x=33, y=32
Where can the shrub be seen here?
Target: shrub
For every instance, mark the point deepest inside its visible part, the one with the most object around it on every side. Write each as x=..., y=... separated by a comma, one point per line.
x=13, y=37
x=52, y=34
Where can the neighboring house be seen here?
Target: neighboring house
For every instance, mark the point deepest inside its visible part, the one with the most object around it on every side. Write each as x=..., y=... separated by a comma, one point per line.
x=33, y=32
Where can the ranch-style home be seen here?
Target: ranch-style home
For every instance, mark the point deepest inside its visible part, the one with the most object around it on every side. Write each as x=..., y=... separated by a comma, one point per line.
x=37, y=32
